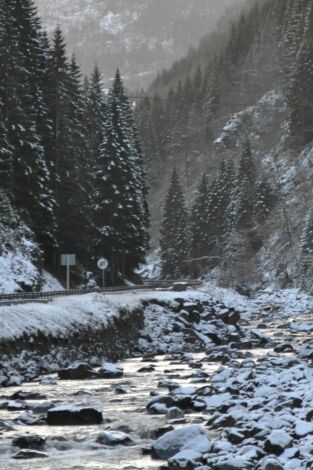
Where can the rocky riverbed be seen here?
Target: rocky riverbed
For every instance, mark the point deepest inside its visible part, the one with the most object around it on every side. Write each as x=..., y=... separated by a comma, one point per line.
x=212, y=387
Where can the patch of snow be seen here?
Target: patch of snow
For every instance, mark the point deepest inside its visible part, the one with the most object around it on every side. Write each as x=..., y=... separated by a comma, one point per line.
x=152, y=268
x=50, y=283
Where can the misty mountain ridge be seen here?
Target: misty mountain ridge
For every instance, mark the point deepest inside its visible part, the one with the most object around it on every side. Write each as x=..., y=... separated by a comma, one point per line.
x=141, y=37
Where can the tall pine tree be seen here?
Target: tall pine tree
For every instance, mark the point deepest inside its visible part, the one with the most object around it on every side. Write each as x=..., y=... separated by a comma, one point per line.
x=120, y=199
x=174, y=234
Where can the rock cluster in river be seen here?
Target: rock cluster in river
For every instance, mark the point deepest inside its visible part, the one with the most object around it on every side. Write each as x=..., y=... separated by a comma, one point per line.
x=259, y=416
x=191, y=325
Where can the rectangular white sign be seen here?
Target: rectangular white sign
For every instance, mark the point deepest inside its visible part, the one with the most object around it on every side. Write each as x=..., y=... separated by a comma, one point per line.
x=68, y=260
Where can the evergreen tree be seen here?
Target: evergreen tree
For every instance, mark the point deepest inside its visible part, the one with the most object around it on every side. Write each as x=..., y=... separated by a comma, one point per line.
x=306, y=253
x=241, y=208
x=58, y=102
x=224, y=189
x=174, y=236
x=300, y=98
x=265, y=199
x=76, y=221
x=200, y=220
x=95, y=113
x=23, y=110
x=6, y=158
x=120, y=199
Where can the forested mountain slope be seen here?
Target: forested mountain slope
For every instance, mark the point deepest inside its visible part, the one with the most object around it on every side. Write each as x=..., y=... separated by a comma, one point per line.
x=138, y=36
x=248, y=109
x=71, y=173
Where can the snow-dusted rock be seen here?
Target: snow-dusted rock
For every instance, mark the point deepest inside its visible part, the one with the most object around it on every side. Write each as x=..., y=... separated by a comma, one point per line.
x=192, y=437
x=29, y=442
x=232, y=463
x=114, y=438
x=79, y=371
x=165, y=400
x=29, y=454
x=303, y=428
x=73, y=415
x=272, y=464
x=277, y=442
x=215, y=401
x=174, y=413
x=110, y=371
x=185, y=460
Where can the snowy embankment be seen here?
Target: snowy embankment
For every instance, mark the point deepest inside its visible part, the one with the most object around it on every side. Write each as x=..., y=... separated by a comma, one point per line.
x=64, y=316
x=39, y=337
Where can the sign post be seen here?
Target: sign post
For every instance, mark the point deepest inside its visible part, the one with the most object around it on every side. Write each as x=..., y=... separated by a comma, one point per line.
x=68, y=260
x=103, y=264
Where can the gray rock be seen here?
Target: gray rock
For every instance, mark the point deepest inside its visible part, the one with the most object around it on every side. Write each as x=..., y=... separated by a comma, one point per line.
x=29, y=442
x=273, y=465
x=277, y=442
x=79, y=371
x=110, y=371
x=29, y=454
x=174, y=413
x=114, y=438
x=192, y=437
x=73, y=416
x=161, y=400
x=185, y=460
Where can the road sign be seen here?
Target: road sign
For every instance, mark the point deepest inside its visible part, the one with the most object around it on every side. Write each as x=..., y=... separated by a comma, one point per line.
x=68, y=260
x=103, y=264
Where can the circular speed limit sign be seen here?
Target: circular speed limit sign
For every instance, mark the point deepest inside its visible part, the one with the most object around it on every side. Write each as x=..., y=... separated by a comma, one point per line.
x=103, y=264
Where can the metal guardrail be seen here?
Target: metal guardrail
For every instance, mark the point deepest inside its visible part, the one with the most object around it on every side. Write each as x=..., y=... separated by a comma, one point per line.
x=29, y=296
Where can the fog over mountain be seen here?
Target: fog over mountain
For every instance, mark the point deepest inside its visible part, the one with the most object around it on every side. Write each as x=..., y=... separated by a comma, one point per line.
x=139, y=36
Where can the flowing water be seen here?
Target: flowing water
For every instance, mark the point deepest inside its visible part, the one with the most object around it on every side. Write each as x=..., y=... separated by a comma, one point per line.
x=75, y=447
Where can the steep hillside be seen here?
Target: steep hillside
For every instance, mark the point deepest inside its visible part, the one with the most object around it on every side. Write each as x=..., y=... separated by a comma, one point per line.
x=138, y=36
x=20, y=255
x=256, y=89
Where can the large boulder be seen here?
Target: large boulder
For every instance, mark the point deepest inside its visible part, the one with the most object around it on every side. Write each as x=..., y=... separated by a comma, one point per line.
x=73, y=416
x=192, y=437
x=80, y=371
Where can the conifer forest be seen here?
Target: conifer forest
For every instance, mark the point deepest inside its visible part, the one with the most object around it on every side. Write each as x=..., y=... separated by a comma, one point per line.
x=156, y=234
x=205, y=167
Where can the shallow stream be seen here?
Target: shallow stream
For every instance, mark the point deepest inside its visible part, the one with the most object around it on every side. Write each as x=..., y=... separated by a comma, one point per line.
x=75, y=447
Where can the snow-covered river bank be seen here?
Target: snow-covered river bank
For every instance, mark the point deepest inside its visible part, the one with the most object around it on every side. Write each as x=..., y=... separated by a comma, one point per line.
x=244, y=401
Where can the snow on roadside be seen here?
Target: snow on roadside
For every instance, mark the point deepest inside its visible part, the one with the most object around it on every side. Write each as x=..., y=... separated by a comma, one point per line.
x=50, y=283
x=64, y=315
